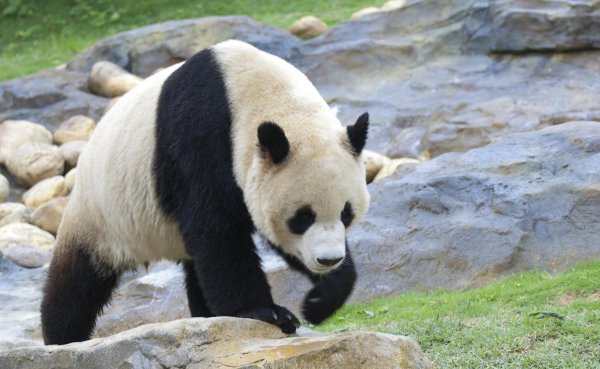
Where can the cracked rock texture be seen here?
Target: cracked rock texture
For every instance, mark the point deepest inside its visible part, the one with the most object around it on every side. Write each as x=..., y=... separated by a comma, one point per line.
x=223, y=343
x=526, y=201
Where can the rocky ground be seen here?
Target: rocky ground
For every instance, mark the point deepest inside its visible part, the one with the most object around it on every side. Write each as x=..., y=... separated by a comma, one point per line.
x=224, y=343
x=502, y=95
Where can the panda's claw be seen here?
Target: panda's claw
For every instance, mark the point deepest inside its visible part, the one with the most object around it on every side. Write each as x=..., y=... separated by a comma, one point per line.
x=273, y=314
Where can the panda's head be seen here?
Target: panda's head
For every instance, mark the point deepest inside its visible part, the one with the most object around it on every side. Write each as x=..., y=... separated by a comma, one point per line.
x=310, y=188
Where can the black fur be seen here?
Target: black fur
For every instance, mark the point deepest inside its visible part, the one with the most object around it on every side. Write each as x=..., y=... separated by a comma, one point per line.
x=76, y=290
x=347, y=215
x=272, y=139
x=329, y=292
x=195, y=184
x=357, y=133
x=196, y=301
x=302, y=220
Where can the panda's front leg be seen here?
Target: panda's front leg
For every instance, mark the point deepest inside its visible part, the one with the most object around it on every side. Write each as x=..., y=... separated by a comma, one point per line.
x=232, y=280
x=329, y=292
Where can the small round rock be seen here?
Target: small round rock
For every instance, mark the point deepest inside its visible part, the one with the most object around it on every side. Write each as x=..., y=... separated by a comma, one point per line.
x=14, y=212
x=45, y=191
x=33, y=162
x=308, y=27
x=78, y=127
x=70, y=151
x=4, y=188
x=48, y=215
x=70, y=179
x=15, y=133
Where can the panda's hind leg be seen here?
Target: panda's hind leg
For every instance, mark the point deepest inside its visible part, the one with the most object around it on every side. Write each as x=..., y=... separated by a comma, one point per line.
x=77, y=288
x=196, y=300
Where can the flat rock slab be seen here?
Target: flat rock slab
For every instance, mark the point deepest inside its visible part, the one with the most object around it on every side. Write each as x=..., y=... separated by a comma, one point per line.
x=223, y=343
x=527, y=201
x=451, y=75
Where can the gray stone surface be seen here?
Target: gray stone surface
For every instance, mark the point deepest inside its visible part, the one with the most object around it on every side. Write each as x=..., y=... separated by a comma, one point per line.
x=527, y=201
x=20, y=293
x=156, y=295
x=223, y=343
x=143, y=50
x=436, y=75
x=49, y=98
x=445, y=76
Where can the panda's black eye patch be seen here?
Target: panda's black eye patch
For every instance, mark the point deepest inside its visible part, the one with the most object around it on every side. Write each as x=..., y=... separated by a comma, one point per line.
x=302, y=220
x=347, y=215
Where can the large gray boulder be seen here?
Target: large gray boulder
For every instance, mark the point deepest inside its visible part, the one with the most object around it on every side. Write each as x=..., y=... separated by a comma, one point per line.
x=223, y=343
x=144, y=50
x=527, y=201
x=443, y=75
x=49, y=98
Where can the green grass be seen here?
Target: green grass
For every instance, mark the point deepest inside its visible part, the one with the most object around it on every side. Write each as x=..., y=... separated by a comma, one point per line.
x=530, y=320
x=35, y=35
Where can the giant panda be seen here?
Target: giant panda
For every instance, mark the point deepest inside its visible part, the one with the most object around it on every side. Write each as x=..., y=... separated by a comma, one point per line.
x=186, y=166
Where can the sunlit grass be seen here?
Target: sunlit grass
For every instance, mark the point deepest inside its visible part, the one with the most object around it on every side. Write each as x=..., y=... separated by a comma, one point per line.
x=52, y=32
x=530, y=320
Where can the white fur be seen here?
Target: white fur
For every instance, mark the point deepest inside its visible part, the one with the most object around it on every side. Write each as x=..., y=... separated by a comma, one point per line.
x=320, y=170
x=113, y=203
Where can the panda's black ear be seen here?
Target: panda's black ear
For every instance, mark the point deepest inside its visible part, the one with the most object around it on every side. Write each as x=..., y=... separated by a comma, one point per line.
x=357, y=133
x=272, y=140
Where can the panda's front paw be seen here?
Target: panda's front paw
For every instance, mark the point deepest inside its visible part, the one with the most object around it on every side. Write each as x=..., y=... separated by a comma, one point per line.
x=317, y=307
x=274, y=314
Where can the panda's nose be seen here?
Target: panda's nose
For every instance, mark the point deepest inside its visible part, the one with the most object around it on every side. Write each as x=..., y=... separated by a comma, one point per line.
x=329, y=262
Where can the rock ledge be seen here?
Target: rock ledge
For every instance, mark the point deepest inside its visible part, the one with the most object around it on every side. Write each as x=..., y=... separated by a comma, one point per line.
x=223, y=342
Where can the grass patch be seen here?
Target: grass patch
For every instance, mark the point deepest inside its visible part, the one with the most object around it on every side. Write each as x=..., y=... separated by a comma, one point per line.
x=39, y=34
x=529, y=320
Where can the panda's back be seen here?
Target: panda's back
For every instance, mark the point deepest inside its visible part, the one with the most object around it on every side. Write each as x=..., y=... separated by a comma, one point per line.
x=114, y=196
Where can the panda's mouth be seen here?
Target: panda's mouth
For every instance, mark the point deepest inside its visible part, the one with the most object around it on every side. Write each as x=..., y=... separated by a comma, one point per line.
x=319, y=269
x=297, y=262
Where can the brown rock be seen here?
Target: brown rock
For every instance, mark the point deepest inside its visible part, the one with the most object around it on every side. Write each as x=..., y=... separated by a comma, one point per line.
x=4, y=188
x=78, y=127
x=28, y=257
x=33, y=162
x=70, y=179
x=26, y=245
x=14, y=212
x=224, y=342
x=49, y=214
x=373, y=163
x=70, y=151
x=365, y=11
x=401, y=165
x=45, y=191
x=308, y=27
x=393, y=5
x=15, y=133
x=110, y=80
x=27, y=235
